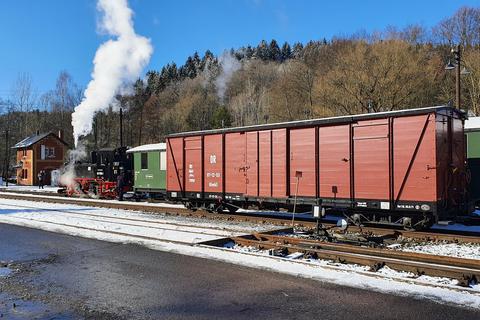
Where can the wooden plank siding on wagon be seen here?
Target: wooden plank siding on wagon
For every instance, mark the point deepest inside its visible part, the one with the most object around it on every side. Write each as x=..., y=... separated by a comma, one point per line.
x=409, y=160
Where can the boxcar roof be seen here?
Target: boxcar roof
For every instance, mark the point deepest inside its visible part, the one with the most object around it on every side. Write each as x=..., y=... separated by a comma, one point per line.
x=324, y=121
x=148, y=147
x=472, y=124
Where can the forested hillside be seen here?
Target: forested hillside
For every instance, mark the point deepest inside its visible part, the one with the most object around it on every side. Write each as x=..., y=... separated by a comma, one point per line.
x=269, y=82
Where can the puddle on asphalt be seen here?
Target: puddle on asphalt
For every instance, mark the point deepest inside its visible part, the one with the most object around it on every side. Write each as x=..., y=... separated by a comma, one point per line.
x=4, y=271
x=13, y=308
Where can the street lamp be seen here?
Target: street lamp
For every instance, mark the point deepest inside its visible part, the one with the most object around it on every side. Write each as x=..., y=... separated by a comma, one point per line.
x=6, y=163
x=450, y=66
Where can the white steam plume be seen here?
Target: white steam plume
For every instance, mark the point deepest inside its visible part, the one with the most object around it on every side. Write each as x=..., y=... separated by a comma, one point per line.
x=68, y=176
x=117, y=62
x=229, y=64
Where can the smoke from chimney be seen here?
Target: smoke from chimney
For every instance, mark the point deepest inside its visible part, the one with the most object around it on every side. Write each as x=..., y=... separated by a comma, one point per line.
x=117, y=62
x=228, y=64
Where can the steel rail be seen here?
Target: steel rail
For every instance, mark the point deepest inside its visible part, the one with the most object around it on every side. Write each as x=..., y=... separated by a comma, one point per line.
x=389, y=253
x=465, y=272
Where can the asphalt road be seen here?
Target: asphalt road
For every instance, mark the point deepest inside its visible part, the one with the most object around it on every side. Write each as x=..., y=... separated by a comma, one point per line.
x=63, y=277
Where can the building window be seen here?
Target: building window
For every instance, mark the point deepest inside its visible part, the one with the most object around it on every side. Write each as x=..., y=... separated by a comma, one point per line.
x=144, y=158
x=24, y=152
x=24, y=174
x=50, y=152
x=46, y=152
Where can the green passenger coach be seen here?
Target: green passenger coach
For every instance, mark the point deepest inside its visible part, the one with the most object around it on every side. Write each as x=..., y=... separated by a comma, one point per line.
x=150, y=169
x=472, y=141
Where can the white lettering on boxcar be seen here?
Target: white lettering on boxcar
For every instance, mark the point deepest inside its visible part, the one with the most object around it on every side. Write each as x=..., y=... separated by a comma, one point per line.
x=213, y=159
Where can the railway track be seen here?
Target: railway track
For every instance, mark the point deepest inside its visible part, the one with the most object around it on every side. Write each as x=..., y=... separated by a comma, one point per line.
x=144, y=229
x=466, y=271
x=263, y=218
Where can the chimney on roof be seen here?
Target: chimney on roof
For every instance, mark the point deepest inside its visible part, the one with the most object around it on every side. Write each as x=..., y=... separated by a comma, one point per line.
x=38, y=132
x=60, y=134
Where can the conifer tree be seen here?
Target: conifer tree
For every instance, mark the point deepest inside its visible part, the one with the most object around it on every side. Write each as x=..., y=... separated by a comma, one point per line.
x=274, y=52
x=286, y=51
x=297, y=50
x=249, y=52
x=262, y=51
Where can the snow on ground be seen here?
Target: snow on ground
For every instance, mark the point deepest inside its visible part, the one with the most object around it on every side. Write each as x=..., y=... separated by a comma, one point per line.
x=14, y=187
x=385, y=271
x=463, y=250
x=164, y=228
x=146, y=204
x=181, y=235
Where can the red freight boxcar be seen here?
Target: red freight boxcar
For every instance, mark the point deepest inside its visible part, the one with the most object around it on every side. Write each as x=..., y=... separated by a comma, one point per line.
x=407, y=165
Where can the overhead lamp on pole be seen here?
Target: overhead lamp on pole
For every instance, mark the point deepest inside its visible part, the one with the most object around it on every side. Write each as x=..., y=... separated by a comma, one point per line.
x=457, y=54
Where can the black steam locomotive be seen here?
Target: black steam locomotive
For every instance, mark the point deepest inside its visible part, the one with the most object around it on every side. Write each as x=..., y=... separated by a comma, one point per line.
x=98, y=176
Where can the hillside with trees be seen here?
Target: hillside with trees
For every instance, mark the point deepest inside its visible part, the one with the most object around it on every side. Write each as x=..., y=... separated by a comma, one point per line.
x=268, y=82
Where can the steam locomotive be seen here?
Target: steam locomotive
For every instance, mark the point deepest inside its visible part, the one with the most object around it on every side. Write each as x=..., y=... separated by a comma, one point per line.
x=97, y=177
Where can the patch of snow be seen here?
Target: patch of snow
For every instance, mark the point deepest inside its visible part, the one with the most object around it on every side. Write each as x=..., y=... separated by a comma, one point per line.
x=149, y=147
x=295, y=255
x=14, y=187
x=472, y=123
x=463, y=250
x=165, y=228
x=394, y=246
x=66, y=199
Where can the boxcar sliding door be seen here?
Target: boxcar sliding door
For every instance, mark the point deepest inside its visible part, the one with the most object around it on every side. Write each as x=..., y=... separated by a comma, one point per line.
x=235, y=176
x=371, y=163
x=302, y=162
x=213, y=165
x=193, y=167
x=251, y=165
x=334, y=162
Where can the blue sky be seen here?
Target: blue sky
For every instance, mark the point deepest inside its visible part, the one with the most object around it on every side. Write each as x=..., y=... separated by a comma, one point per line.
x=43, y=37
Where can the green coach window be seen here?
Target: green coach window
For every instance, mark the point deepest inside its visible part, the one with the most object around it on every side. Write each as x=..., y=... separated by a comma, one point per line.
x=144, y=160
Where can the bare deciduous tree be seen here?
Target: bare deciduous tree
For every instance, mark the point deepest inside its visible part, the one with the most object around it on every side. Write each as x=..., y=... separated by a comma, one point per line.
x=383, y=76
x=23, y=98
x=462, y=28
